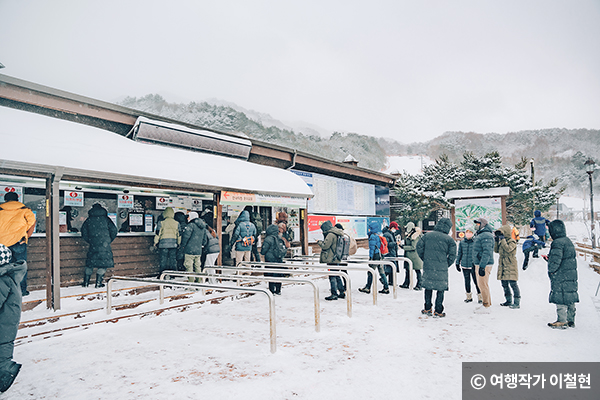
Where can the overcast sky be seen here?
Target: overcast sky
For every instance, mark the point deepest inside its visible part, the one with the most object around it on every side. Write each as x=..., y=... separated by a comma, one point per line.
x=409, y=70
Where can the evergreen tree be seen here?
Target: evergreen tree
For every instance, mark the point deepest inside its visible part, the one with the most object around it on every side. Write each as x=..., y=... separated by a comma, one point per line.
x=415, y=196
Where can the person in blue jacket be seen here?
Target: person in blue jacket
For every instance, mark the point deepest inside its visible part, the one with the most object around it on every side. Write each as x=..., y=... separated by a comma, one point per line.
x=375, y=254
x=531, y=245
x=538, y=224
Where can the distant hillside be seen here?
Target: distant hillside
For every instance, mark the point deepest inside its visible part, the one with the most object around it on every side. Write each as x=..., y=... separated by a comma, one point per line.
x=558, y=153
x=225, y=118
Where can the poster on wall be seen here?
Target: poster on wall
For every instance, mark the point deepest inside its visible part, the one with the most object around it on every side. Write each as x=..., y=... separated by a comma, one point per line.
x=314, y=226
x=341, y=196
x=382, y=200
x=73, y=198
x=162, y=202
x=125, y=201
x=382, y=221
x=467, y=210
x=14, y=189
x=353, y=226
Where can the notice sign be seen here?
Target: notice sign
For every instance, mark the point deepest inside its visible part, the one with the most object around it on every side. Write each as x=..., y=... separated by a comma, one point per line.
x=163, y=202
x=73, y=199
x=136, y=219
x=125, y=201
x=12, y=189
x=148, y=223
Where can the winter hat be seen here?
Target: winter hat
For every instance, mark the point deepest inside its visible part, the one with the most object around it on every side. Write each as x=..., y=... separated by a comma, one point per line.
x=5, y=254
x=482, y=221
x=394, y=225
x=192, y=215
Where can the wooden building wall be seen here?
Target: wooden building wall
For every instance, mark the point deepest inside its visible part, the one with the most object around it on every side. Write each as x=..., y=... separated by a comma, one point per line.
x=133, y=255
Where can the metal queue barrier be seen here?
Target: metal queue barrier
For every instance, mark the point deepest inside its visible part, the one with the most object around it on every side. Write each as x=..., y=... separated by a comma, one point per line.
x=315, y=264
x=410, y=268
x=283, y=270
x=160, y=283
x=252, y=278
x=329, y=269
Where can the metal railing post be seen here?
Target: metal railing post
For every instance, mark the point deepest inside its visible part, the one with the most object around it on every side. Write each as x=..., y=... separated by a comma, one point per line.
x=272, y=320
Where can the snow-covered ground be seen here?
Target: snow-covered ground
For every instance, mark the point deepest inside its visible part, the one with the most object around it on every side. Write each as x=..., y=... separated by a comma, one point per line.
x=221, y=351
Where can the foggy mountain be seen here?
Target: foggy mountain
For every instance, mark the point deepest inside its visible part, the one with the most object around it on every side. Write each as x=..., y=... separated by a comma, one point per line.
x=558, y=152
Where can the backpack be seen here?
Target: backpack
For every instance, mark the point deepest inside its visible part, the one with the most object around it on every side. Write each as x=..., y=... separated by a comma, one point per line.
x=383, y=246
x=342, y=247
x=515, y=234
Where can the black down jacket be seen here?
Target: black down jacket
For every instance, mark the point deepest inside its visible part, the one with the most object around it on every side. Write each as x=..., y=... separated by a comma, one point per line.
x=99, y=231
x=562, y=266
x=438, y=252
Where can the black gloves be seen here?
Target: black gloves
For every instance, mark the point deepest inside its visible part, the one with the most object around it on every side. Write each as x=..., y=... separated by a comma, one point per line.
x=481, y=271
x=458, y=268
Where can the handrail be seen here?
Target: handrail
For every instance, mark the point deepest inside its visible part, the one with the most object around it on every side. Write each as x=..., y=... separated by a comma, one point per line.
x=252, y=278
x=281, y=269
x=381, y=262
x=272, y=321
x=369, y=270
x=410, y=268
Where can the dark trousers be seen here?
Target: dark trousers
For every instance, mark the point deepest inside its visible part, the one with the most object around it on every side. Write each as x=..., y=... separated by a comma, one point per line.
x=507, y=285
x=336, y=285
x=275, y=287
x=469, y=273
x=527, y=252
x=439, y=300
x=377, y=267
x=167, y=259
x=19, y=253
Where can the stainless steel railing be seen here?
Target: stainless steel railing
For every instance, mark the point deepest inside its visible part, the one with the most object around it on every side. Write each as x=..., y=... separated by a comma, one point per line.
x=160, y=283
x=252, y=278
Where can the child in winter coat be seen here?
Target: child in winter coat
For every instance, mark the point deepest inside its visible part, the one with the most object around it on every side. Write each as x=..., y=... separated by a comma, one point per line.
x=464, y=258
x=508, y=269
x=532, y=244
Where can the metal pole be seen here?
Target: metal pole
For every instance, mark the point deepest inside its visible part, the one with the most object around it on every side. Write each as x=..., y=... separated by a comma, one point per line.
x=593, y=232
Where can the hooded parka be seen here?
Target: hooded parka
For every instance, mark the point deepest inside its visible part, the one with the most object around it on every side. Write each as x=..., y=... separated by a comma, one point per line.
x=328, y=246
x=438, y=252
x=168, y=235
x=562, y=266
x=99, y=231
x=508, y=269
x=194, y=238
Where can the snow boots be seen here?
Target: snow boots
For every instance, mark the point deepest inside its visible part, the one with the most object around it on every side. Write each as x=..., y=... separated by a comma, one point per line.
x=426, y=312
x=99, y=278
x=479, y=298
x=86, y=280
x=558, y=325
x=8, y=376
x=384, y=291
x=516, y=304
x=469, y=298
x=364, y=290
x=508, y=302
x=439, y=314
x=332, y=297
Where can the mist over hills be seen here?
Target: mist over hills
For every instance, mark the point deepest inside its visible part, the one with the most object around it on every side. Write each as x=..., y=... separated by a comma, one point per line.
x=558, y=152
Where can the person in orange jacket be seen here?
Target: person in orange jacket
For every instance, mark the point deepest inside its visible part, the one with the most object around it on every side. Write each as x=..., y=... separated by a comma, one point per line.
x=17, y=222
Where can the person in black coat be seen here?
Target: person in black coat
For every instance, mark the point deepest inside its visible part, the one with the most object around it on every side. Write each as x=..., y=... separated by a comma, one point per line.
x=273, y=249
x=11, y=275
x=562, y=271
x=99, y=231
x=464, y=258
x=438, y=252
x=193, y=242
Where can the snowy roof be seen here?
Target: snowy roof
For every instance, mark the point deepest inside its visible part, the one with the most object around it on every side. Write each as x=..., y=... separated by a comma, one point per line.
x=39, y=140
x=469, y=193
x=350, y=158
